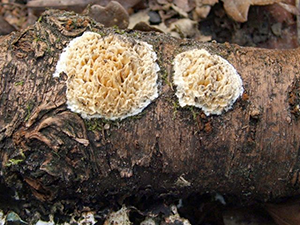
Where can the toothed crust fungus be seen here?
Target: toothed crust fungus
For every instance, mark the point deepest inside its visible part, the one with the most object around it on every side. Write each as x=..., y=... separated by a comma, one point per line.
x=109, y=77
x=206, y=81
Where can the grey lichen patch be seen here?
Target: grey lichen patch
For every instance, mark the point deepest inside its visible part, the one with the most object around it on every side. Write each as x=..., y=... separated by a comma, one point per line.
x=109, y=77
x=206, y=81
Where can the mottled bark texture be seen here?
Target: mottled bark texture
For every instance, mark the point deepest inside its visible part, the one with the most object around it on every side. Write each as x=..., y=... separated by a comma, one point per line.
x=251, y=151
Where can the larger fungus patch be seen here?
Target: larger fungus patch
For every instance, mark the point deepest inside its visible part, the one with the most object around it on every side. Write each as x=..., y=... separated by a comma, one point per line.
x=109, y=77
x=206, y=81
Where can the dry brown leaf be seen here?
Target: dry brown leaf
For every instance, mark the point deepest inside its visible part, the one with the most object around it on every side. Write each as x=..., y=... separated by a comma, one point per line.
x=185, y=5
x=290, y=8
x=286, y=213
x=183, y=28
x=56, y=3
x=238, y=10
x=41, y=4
x=202, y=8
x=140, y=16
x=112, y=14
x=5, y=27
x=207, y=2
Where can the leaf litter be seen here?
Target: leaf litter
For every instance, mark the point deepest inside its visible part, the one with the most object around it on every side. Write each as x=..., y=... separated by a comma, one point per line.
x=186, y=19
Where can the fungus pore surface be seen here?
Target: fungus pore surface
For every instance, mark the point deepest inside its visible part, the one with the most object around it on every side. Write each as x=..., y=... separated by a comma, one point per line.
x=206, y=81
x=109, y=77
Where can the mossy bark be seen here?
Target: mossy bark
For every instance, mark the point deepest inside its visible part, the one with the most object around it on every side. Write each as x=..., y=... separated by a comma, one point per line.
x=251, y=151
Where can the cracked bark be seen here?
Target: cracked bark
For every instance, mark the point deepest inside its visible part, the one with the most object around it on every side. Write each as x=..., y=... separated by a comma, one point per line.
x=251, y=152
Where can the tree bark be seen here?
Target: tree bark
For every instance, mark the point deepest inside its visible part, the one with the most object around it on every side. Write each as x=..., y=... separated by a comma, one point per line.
x=251, y=151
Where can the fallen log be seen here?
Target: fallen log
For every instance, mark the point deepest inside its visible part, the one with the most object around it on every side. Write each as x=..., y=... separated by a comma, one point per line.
x=250, y=151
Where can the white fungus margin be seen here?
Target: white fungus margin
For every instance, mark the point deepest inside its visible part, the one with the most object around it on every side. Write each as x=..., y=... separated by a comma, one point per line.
x=206, y=81
x=109, y=77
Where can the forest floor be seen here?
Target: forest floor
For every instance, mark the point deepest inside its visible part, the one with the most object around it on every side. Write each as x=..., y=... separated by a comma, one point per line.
x=269, y=26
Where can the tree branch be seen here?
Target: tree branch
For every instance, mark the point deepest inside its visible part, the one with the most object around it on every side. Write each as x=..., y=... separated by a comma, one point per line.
x=251, y=151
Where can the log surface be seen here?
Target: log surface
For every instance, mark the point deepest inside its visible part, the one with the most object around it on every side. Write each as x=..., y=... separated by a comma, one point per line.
x=251, y=151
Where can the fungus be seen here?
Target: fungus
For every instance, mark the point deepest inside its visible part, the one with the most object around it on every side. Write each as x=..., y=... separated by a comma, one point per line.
x=119, y=217
x=109, y=77
x=206, y=81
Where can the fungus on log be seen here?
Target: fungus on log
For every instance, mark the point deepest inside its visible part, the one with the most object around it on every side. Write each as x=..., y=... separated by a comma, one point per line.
x=110, y=77
x=205, y=81
x=250, y=151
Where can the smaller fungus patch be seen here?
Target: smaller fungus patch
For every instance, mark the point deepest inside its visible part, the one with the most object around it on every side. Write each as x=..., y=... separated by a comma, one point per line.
x=109, y=77
x=206, y=81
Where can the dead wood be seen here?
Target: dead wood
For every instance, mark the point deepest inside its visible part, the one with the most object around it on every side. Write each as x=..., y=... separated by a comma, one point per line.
x=251, y=151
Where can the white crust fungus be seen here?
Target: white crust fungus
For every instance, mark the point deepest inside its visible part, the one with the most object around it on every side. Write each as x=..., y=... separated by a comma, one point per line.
x=109, y=77
x=206, y=81
x=118, y=218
